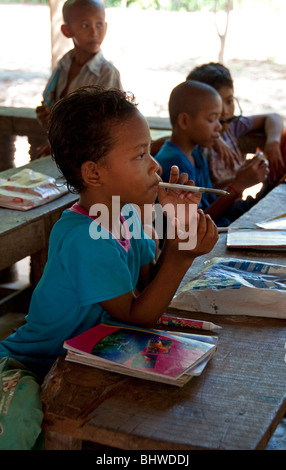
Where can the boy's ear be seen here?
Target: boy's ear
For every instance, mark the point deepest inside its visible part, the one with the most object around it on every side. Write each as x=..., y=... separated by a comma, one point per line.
x=183, y=120
x=90, y=173
x=66, y=31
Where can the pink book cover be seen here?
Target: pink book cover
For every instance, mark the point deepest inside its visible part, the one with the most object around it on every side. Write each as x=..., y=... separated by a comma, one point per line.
x=140, y=349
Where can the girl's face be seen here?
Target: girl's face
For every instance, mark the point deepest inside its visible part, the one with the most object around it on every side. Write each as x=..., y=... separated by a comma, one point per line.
x=228, y=103
x=128, y=170
x=204, y=128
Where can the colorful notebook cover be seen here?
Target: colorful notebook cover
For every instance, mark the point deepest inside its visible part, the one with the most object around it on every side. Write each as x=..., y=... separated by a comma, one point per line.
x=140, y=349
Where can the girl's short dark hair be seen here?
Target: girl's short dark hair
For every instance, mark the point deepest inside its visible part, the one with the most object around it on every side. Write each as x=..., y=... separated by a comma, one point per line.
x=80, y=128
x=213, y=74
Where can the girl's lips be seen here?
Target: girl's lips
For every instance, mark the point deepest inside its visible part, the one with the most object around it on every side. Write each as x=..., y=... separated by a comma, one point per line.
x=155, y=186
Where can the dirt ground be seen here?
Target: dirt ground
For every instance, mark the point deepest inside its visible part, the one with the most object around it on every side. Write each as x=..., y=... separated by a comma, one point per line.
x=154, y=51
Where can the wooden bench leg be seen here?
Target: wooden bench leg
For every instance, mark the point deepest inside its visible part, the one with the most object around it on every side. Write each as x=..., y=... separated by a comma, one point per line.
x=57, y=441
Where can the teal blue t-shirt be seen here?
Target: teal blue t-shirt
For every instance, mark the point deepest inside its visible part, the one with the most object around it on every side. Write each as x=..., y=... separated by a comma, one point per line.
x=81, y=272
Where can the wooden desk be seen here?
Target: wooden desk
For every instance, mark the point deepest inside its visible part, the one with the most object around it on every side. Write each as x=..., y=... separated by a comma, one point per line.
x=27, y=233
x=236, y=403
x=271, y=205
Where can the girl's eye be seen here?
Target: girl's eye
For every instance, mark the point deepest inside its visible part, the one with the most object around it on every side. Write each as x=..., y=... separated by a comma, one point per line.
x=140, y=157
x=84, y=25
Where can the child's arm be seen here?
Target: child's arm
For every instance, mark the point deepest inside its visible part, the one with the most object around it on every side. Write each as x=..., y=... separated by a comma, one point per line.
x=160, y=281
x=252, y=172
x=145, y=308
x=226, y=154
x=273, y=128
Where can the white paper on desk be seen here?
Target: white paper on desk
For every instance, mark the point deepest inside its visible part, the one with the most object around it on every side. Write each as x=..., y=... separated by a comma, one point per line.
x=257, y=239
x=27, y=189
x=231, y=286
x=275, y=223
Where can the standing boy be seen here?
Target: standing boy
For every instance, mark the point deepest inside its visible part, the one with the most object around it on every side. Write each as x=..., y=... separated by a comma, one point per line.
x=84, y=23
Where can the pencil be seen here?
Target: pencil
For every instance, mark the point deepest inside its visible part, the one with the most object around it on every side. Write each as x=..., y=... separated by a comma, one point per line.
x=195, y=189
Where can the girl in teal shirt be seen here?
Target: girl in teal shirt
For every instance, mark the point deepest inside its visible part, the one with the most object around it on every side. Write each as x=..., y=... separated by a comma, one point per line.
x=101, y=143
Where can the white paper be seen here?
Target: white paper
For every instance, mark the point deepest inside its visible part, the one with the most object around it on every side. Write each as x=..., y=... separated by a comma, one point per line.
x=231, y=286
x=276, y=223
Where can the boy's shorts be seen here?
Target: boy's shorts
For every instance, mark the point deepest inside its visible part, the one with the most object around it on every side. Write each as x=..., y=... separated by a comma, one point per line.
x=21, y=412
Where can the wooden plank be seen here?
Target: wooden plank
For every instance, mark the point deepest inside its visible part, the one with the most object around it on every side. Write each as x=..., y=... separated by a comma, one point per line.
x=16, y=301
x=159, y=123
x=23, y=121
x=57, y=441
x=9, y=322
x=19, y=121
x=233, y=405
x=59, y=43
x=22, y=241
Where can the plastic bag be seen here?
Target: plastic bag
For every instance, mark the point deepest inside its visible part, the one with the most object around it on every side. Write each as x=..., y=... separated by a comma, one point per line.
x=27, y=189
x=21, y=411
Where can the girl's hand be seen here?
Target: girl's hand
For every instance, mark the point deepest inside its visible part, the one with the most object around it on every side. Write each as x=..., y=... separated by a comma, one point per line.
x=43, y=115
x=226, y=154
x=276, y=164
x=174, y=196
x=179, y=204
x=252, y=172
x=199, y=240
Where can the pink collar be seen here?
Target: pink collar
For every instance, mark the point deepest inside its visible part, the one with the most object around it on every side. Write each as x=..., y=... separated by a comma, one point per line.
x=124, y=243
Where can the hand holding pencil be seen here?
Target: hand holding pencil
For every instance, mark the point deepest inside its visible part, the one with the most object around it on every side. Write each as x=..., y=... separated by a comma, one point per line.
x=178, y=189
x=184, y=184
x=182, y=213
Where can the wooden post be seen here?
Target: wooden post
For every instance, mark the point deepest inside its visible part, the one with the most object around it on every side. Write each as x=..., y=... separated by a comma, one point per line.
x=60, y=44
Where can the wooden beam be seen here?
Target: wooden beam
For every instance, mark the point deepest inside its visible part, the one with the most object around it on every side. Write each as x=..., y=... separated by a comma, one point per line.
x=59, y=43
x=19, y=121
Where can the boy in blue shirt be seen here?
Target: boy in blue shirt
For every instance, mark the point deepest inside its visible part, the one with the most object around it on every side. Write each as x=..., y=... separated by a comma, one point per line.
x=195, y=109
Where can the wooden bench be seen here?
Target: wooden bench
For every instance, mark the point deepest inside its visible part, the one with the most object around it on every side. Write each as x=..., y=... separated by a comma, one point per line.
x=18, y=122
x=23, y=122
